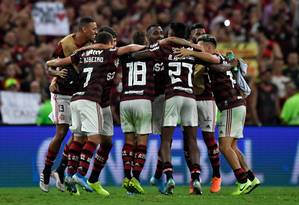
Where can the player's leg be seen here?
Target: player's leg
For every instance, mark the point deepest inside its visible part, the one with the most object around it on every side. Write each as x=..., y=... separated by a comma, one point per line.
x=61, y=117
x=207, y=111
x=255, y=182
x=189, y=120
x=231, y=128
x=75, y=147
x=142, y=117
x=100, y=160
x=157, y=121
x=102, y=154
x=127, y=125
x=171, y=116
x=92, y=123
x=59, y=173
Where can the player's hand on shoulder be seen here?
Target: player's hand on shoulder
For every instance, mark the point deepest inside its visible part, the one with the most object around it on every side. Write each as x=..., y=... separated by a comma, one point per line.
x=62, y=73
x=181, y=52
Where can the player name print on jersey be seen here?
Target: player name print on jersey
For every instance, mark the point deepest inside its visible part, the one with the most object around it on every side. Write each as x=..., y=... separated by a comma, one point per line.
x=96, y=67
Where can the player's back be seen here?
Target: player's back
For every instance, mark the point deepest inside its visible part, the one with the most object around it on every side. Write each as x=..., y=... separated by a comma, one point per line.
x=137, y=79
x=224, y=86
x=179, y=71
x=93, y=66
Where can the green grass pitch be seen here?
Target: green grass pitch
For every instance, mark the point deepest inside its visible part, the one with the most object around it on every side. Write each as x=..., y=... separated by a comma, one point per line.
x=262, y=195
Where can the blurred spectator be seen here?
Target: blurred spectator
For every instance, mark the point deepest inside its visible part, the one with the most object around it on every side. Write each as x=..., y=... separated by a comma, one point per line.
x=292, y=68
x=11, y=84
x=278, y=79
x=267, y=100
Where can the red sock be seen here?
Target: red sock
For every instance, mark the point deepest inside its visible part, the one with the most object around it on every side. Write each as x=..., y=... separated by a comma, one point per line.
x=64, y=159
x=73, y=157
x=50, y=158
x=85, y=157
x=100, y=160
x=241, y=175
x=213, y=152
x=127, y=156
x=159, y=169
x=139, y=160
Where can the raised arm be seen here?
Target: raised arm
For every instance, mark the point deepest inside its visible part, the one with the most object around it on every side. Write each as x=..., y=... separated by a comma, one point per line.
x=204, y=56
x=59, y=62
x=129, y=49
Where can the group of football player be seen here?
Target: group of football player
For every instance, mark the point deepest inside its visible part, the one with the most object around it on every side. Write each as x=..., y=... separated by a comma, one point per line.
x=165, y=80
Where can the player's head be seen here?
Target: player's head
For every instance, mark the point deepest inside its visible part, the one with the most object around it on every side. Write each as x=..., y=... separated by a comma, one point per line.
x=139, y=38
x=177, y=30
x=208, y=41
x=154, y=33
x=104, y=38
x=110, y=30
x=88, y=27
x=194, y=31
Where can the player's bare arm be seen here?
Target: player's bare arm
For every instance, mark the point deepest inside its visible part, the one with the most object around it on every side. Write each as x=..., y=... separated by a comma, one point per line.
x=59, y=62
x=180, y=41
x=57, y=73
x=95, y=46
x=53, y=86
x=204, y=56
x=129, y=49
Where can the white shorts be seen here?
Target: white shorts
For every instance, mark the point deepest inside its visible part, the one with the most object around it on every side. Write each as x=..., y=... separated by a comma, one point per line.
x=180, y=108
x=87, y=117
x=231, y=122
x=207, y=112
x=61, y=111
x=136, y=116
x=108, y=122
x=158, y=111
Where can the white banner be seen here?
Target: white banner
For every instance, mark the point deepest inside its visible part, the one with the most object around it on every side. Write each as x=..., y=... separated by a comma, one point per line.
x=19, y=108
x=50, y=19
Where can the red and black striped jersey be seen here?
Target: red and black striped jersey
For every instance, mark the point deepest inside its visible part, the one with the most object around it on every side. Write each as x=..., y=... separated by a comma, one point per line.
x=65, y=48
x=225, y=89
x=137, y=79
x=95, y=67
x=159, y=76
x=179, y=72
x=110, y=82
x=202, y=84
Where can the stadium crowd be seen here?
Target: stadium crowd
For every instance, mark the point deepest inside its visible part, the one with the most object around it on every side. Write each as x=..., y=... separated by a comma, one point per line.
x=273, y=24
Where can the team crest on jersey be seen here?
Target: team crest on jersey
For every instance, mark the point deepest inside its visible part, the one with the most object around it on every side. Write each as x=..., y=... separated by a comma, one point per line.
x=61, y=117
x=116, y=62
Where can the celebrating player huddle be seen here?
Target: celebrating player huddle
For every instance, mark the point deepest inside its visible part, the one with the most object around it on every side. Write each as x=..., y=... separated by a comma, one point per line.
x=165, y=81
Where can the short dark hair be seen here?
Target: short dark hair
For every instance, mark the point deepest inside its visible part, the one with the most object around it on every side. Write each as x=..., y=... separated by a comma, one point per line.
x=193, y=27
x=179, y=29
x=84, y=21
x=139, y=38
x=104, y=37
x=208, y=38
x=108, y=29
x=151, y=26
